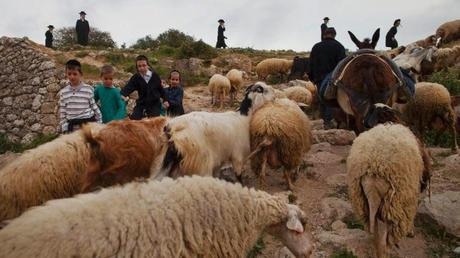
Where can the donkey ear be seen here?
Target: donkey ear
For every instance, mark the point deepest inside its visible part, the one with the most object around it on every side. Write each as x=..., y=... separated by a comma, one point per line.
x=375, y=37
x=354, y=39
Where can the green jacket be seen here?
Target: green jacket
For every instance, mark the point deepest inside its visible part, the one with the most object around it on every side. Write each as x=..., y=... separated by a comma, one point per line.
x=111, y=105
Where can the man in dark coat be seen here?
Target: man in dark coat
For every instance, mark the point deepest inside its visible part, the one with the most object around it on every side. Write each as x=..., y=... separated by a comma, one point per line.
x=390, y=40
x=220, y=35
x=82, y=29
x=49, y=37
x=324, y=27
x=324, y=57
x=147, y=83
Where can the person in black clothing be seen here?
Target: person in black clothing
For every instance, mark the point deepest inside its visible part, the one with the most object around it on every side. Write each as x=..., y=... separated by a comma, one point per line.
x=324, y=27
x=324, y=57
x=390, y=40
x=147, y=83
x=175, y=94
x=82, y=29
x=220, y=35
x=49, y=37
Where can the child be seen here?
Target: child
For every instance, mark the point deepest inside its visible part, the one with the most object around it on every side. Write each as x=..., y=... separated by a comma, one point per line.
x=111, y=104
x=76, y=100
x=175, y=94
x=147, y=83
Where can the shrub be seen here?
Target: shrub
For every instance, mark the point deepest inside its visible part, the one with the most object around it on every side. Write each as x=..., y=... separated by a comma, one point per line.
x=146, y=42
x=66, y=37
x=174, y=38
x=449, y=78
x=197, y=49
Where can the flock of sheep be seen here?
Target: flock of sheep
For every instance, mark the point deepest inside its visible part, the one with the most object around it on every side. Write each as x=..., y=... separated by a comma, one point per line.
x=148, y=186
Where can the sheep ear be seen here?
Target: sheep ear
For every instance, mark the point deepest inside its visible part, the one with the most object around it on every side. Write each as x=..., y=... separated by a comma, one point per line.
x=302, y=105
x=293, y=223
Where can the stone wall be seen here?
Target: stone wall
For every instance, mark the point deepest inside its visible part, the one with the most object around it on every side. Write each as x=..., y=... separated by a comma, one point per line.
x=28, y=87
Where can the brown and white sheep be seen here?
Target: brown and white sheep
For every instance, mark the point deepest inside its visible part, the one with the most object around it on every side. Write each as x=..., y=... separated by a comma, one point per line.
x=219, y=86
x=124, y=150
x=50, y=171
x=280, y=135
x=299, y=94
x=188, y=217
x=236, y=78
x=387, y=167
x=447, y=32
x=273, y=66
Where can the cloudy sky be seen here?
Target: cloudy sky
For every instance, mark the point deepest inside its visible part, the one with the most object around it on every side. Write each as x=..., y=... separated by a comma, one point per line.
x=261, y=24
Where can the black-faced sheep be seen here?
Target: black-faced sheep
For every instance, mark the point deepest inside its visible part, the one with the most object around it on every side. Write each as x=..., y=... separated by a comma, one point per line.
x=188, y=217
x=387, y=167
x=124, y=150
x=273, y=66
x=50, y=171
x=280, y=135
x=219, y=86
x=447, y=32
x=431, y=108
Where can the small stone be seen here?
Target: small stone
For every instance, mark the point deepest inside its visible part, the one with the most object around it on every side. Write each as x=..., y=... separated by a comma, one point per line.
x=338, y=225
x=8, y=101
x=18, y=123
x=35, y=81
x=46, y=65
x=48, y=108
x=36, y=103
x=42, y=91
x=457, y=250
x=11, y=117
x=49, y=130
x=36, y=127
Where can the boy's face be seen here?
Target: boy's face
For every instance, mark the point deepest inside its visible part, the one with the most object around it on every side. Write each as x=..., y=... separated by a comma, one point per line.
x=74, y=76
x=107, y=79
x=142, y=67
x=175, y=80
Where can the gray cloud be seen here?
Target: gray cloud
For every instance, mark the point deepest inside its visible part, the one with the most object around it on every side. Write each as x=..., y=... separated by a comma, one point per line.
x=290, y=24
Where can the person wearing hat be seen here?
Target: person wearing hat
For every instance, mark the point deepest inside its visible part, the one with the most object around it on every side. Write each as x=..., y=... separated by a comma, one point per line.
x=324, y=57
x=324, y=27
x=82, y=29
x=390, y=40
x=49, y=37
x=220, y=35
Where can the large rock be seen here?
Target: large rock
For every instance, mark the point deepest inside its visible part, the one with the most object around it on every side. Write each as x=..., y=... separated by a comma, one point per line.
x=231, y=61
x=334, y=136
x=335, y=208
x=355, y=240
x=444, y=209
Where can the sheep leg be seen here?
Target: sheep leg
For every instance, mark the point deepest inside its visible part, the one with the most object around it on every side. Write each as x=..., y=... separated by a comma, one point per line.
x=451, y=122
x=287, y=175
x=380, y=239
x=238, y=168
x=263, y=169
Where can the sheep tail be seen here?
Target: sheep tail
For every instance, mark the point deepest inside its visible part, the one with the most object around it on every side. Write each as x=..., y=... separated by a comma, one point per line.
x=265, y=143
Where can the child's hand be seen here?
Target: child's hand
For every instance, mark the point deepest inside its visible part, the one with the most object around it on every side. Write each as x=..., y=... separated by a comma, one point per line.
x=124, y=98
x=166, y=104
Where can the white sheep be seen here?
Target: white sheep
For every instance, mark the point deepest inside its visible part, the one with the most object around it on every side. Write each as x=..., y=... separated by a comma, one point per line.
x=188, y=217
x=387, y=167
x=219, y=86
x=236, y=78
x=299, y=95
x=50, y=171
x=273, y=66
x=306, y=84
x=201, y=142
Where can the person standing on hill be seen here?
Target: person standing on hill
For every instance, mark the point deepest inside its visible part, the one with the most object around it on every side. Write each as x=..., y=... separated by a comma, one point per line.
x=324, y=27
x=82, y=29
x=49, y=37
x=220, y=35
x=390, y=40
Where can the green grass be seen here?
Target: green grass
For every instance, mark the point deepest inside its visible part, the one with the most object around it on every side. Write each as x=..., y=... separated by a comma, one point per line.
x=450, y=78
x=352, y=222
x=257, y=249
x=445, y=141
x=90, y=71
x=6, y=145
x=343, y=253
x=81, y=54
x=442, y=243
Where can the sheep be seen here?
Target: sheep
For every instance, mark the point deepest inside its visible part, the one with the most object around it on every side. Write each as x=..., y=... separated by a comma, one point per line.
x=219, y=86
x=123, y=151
x=280, y=135
x=279, y=94
x=188, y=217
x=236, y=78
x=386, y=169
x=447, y=32
x=392, y=53
x=444, y=58
x=431, y=107
x=50, y=171
x=201, y=142
x=412, y=58
x=306, y=84
x=299, y=95
x=272, y=66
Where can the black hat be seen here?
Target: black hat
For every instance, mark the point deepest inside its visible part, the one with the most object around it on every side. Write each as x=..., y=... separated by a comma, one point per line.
x=221, y=21
x=50, y=27
x=82, y=12
x=326, y=18
x=397, y=20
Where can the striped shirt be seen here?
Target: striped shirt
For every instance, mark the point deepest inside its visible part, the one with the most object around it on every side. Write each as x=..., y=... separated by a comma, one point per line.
x=77, y=103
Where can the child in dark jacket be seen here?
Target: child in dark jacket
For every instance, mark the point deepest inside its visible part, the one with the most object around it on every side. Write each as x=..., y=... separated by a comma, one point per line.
x=175, y=94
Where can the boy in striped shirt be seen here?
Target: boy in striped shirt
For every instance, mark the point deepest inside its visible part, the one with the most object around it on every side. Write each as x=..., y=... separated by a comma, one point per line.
x=76, y=100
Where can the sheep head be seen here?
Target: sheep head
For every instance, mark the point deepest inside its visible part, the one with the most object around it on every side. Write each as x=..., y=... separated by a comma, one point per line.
x=379, y=114
x=291, y=232
x=256, y=96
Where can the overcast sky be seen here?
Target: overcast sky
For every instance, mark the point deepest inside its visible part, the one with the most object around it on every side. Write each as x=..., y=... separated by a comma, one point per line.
x=268, y=24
